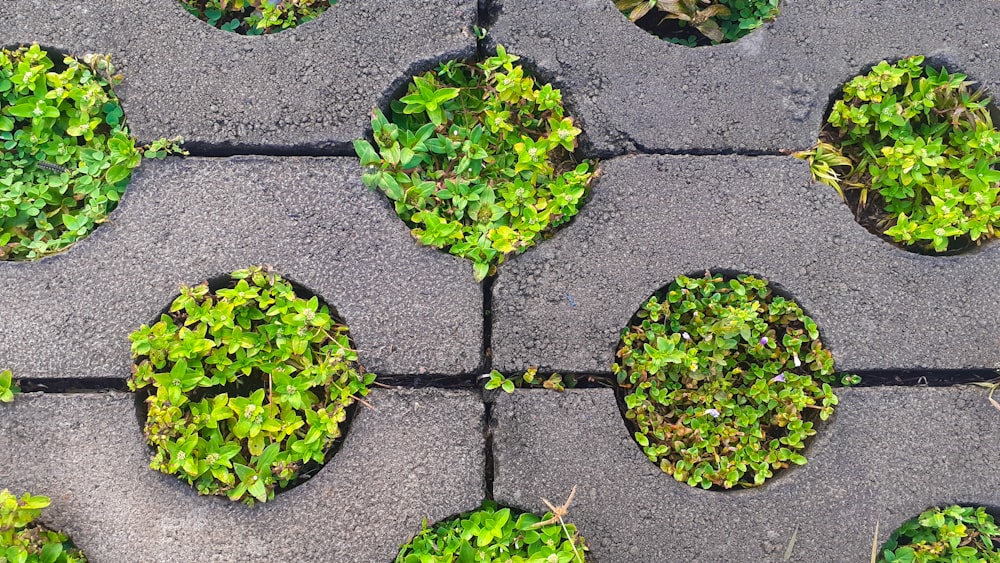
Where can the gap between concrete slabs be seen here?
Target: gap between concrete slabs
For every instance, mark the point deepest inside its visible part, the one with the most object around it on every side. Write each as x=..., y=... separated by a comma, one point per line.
x=307, y=90
x=410, y=309
x=562, y=306
x=888, y=454
x=631, y=91
x=418, y=455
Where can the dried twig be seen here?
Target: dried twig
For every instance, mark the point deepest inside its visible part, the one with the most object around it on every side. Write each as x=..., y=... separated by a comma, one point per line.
x=558, y=512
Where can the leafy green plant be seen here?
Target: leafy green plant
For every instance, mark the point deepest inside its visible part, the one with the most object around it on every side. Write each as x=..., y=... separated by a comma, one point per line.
x=250, y=384
x=915, y=152
x=478, y=160
x=22, y=540
x=497, y=534
x=65, y=152
x=698, y=22
x=256, y=17
x=945, y=535
x=721, y=380
x=529, y=378
x=8, y=387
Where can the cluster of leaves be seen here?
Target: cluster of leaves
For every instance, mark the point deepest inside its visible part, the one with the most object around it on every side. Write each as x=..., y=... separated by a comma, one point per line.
x=65, y=152
x=945, y=535
x=721, y=380
x=916, y=151
x=8, y=387
x=251, y=384
x=529, y=378
x=495, y=534
x=714, y=21
x=22, y=540
x=478, y=160
x=256, y=17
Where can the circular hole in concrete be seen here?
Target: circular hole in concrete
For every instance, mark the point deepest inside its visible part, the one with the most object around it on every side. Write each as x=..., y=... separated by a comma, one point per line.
x=495, y=533
x=696, y=23
x=911, y=149
x=954, y=533
x=478, y=159
x=256, y=17
x=26, y=539
x=66, y=154
x=248, y=378
x=722, y=379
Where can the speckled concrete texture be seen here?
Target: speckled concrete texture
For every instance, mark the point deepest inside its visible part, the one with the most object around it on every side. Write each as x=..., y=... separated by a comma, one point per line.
x=418, y=455
x=410, y=309
x=632, y=91
x=563, y=305
x=307, y=90
x=888, y=454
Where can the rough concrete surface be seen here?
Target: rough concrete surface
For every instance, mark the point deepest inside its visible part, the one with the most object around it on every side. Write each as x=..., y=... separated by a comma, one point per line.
x=632, y=91
x=418, y=455
x=410, y=309
x=888, y=454
x=562, y=305
x=305, y=90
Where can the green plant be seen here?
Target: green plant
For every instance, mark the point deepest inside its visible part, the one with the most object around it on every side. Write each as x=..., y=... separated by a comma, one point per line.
x=529, y=378
x=478, y=160
x=250, y=384
x=945, y=535
x=22, y=540
x=256, y=17
x=496, y=534
x=718, y=21
x=8, y=387
x=65, y=152
x=721, y=379
x=916, y=152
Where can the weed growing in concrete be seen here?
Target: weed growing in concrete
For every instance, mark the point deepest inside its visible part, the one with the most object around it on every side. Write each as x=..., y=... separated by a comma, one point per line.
x=478, y=160
x=722, y=379
x=699, y=22
x=915, y=152
x=22, y=540
x=945, y=535
x=530, y=379
x=66, y=153
x=8, y=387
x=496, y=534
x=256, y=17
x=250, y=384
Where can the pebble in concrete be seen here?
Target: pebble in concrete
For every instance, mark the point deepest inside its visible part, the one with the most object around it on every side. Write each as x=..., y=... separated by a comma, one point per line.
x=632, y=91
x=306, y=90
x=887, y=454
x=562, y=306
x=418, y=455
x=411, y=310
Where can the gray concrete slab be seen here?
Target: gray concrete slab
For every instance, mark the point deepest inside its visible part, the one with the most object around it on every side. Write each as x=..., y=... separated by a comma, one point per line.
x=631, y=91
x=886, y=455
x=418, y=455
x=410, y=309
x=563, y=305
x=305, y=90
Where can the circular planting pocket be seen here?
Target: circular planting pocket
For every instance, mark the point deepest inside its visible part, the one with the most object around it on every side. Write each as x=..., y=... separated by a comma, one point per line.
x=23, y=539
x=256, y=17
x=478, y=159
x=66, y=155
x=722, y=380
x=250, y=385
x=914, y=152
x=945, y=535
x=496, y=534
x=699, y=22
